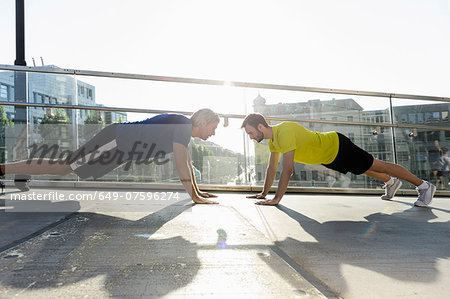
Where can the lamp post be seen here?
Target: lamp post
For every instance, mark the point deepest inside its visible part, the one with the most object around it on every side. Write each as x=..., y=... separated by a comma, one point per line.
x=20, y=81
x=20, y=78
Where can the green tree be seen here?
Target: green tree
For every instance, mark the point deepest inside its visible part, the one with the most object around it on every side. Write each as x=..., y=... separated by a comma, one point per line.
x=119, y=120
x=198, y=152
x=3, y=118
x=94, y=118
x=60, y=117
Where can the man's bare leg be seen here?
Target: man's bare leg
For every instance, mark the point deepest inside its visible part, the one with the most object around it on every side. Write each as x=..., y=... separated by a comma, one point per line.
x=381, y=170
x=37, y=167
x=378, y=175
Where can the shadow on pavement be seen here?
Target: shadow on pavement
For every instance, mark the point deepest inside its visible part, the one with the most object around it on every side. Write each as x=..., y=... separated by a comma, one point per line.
x=89, y=245
x=401, y=245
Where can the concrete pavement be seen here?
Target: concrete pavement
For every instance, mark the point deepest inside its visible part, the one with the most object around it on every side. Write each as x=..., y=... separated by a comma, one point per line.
x=309, y=246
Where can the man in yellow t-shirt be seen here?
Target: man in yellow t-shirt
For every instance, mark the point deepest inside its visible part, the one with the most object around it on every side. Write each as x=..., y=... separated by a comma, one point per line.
x=333, y=150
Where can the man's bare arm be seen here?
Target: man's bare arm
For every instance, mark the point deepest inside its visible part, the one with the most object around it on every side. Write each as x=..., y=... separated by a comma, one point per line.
x=270, y=175
x=288, y=166
x=194, y=181
x=181, y=161
x=191, y=170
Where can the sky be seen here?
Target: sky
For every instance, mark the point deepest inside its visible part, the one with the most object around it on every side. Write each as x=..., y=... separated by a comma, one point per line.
x=395, y=46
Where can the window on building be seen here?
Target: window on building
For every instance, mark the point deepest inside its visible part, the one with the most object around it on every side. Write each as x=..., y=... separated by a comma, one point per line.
x=427, y=117
x=447, y=134
x=38, y=98
x=81, y=91
x=350, y=118
x=420, y=118
x=444, y=115
x=90, y=93
x=33, y=98
x=436, y=116
x=3, y=91
x=412, y=118
x=303, y=175
x=315, y=175
x=404, y=118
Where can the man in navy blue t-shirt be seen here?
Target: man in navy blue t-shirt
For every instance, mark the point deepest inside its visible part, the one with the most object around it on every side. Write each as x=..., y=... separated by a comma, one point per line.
x=122, y=143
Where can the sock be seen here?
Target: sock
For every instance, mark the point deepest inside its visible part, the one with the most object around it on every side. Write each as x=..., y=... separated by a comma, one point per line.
x=424, y=185
x=390, y=182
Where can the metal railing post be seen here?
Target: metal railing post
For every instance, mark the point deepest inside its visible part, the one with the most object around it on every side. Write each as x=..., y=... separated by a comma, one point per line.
x=391, y=113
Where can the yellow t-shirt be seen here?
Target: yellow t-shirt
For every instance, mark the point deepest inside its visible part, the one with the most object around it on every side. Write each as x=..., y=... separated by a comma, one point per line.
x=310, y=147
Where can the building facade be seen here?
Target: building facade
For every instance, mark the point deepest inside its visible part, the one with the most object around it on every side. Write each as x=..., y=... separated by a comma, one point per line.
x=54, y=89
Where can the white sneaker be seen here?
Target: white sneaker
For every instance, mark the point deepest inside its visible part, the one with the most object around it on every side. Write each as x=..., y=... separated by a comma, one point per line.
x=391, y=189
x=425, y=195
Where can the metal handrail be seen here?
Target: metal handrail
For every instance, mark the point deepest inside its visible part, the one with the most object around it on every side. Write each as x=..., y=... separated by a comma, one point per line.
x=218, y=82
x=152, y=111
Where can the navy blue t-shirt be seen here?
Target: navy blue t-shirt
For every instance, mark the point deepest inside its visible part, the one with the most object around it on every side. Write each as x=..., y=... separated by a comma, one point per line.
x=153, y=135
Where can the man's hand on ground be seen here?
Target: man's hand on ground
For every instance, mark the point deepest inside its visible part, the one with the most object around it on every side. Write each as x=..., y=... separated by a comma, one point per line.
x=207, y=195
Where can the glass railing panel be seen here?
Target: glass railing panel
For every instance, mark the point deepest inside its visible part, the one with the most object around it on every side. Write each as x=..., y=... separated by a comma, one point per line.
x=169, y=96
x=29, y=128
x=221, y=159
x=413, y=153
x=424, y=146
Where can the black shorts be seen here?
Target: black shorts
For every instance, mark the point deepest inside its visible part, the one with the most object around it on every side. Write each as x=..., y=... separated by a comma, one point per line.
x=350, y=157
x=98, y=156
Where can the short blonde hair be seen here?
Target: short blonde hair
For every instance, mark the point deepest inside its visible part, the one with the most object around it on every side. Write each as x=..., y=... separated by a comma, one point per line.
x=204, y=114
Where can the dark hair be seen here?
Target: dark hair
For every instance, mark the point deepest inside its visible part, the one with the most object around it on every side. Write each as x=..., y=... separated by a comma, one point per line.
x=254, y=119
